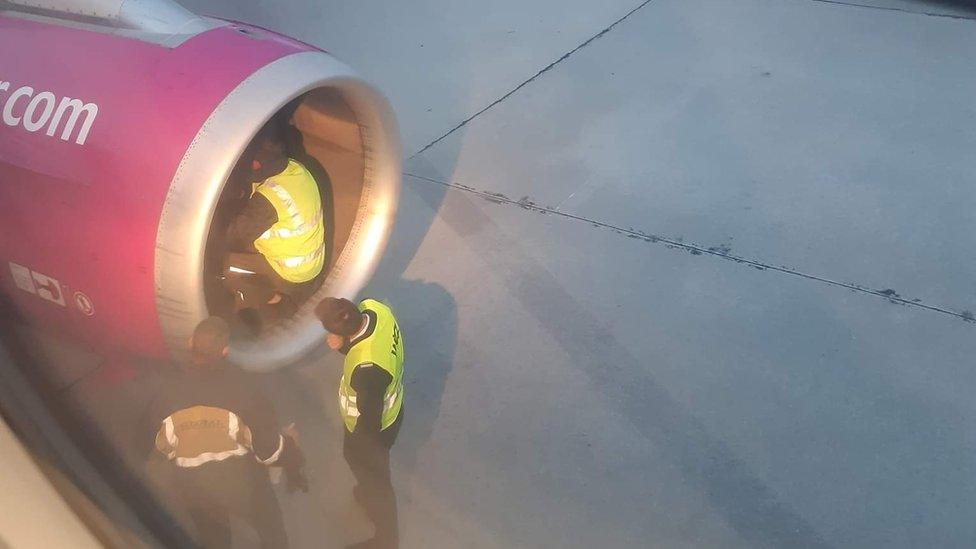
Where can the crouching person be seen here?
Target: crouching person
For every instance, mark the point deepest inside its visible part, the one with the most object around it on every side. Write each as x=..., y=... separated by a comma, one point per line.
x=277, y=242
x=220, y=434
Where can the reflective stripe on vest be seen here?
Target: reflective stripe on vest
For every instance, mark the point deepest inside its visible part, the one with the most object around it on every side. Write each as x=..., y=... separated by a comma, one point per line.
x=384, y=349
x=294, y=262
x=295, y=245
x=200, y=434
x=283, y=232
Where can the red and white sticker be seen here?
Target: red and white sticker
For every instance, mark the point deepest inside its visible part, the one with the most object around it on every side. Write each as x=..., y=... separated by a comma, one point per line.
x=39, y=284
x=22, y=278
x=84, y=304
x=48, y=288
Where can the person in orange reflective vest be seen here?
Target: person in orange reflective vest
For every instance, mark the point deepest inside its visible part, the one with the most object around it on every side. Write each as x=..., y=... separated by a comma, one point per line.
x=220, y=434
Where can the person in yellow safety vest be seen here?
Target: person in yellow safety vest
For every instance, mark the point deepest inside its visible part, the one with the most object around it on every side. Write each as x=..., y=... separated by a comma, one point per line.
x=220, y=434
x=277, y=241
x=370, y=402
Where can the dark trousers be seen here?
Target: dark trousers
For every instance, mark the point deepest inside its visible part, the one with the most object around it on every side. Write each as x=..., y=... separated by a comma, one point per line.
x=254, y=290
x=368, y=456
x=237, y=486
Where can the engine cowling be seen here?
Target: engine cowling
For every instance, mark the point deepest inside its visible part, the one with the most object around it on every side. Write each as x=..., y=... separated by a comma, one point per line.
x=115, y=147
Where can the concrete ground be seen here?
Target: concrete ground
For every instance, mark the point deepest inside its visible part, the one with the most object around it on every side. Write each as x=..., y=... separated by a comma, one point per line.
x=685, y=273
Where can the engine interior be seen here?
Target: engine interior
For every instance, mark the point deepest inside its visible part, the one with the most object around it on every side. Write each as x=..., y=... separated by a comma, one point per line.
x=319, y=130
x=345, y=133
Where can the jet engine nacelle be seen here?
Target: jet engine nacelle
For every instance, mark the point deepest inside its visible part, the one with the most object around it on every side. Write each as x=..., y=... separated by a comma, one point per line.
x=115, y=146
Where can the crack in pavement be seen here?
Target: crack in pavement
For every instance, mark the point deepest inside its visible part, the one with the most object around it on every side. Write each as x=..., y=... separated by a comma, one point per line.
x=900, y=10
x=723, y=251
x=565, y=56
x=627, y=15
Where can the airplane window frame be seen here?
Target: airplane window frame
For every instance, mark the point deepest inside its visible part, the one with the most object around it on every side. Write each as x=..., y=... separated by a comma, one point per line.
x=116, y=506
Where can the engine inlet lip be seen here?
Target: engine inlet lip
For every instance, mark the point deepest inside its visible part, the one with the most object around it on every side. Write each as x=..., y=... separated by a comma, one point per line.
x=196, y=187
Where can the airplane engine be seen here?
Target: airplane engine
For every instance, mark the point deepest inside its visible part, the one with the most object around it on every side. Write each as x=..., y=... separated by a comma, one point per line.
x=121, y=123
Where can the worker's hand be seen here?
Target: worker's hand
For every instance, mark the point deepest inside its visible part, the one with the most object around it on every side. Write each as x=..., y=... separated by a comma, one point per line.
x=293, y=462
x=334, y=341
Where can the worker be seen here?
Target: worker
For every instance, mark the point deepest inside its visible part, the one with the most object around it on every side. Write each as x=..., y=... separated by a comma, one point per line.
x=277, y=241
x=370, y=402
x=220, y=434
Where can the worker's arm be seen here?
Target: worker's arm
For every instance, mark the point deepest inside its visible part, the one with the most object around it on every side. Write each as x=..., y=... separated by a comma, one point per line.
x=256, y=217
x=273, y=446
x=259, y=415
x=370, y=384
x=159, y=405
x=149, y=422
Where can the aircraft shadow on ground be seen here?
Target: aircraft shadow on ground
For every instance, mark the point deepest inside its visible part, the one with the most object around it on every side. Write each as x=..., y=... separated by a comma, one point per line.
x=428, y=318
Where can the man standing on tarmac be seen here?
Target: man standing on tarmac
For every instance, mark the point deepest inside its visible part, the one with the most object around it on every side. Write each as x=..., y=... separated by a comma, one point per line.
x=220, y=435
x=370, y=401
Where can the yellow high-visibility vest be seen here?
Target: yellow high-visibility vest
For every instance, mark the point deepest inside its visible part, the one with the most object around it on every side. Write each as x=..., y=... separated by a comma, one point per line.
x=384, y=348
x=295, y=245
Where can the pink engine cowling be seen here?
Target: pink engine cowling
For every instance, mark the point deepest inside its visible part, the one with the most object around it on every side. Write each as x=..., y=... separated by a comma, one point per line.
x=114, y=150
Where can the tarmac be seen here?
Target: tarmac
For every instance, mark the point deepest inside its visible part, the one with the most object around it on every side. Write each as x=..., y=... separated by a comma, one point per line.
x=674, y=273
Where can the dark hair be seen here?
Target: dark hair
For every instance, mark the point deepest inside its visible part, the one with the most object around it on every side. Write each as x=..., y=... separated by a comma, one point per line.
x=339, y=316
x=210, y=338
x=268, y=149
x=269, y=138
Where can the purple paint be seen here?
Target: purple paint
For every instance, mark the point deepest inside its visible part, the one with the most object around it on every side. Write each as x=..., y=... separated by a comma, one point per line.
x=87, y=214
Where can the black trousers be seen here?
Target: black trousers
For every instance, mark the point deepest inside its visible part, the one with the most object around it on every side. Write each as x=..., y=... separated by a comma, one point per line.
x=368, y=456
x=237, y=486
x=254, y=290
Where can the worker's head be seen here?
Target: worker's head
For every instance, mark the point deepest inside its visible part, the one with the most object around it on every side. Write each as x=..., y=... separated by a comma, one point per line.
x=210, y=342
x=266, y=155
x=341, y=318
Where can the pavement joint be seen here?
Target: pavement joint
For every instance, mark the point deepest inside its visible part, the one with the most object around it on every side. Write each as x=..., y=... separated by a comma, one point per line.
x=546, y=69
x=723, y=251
